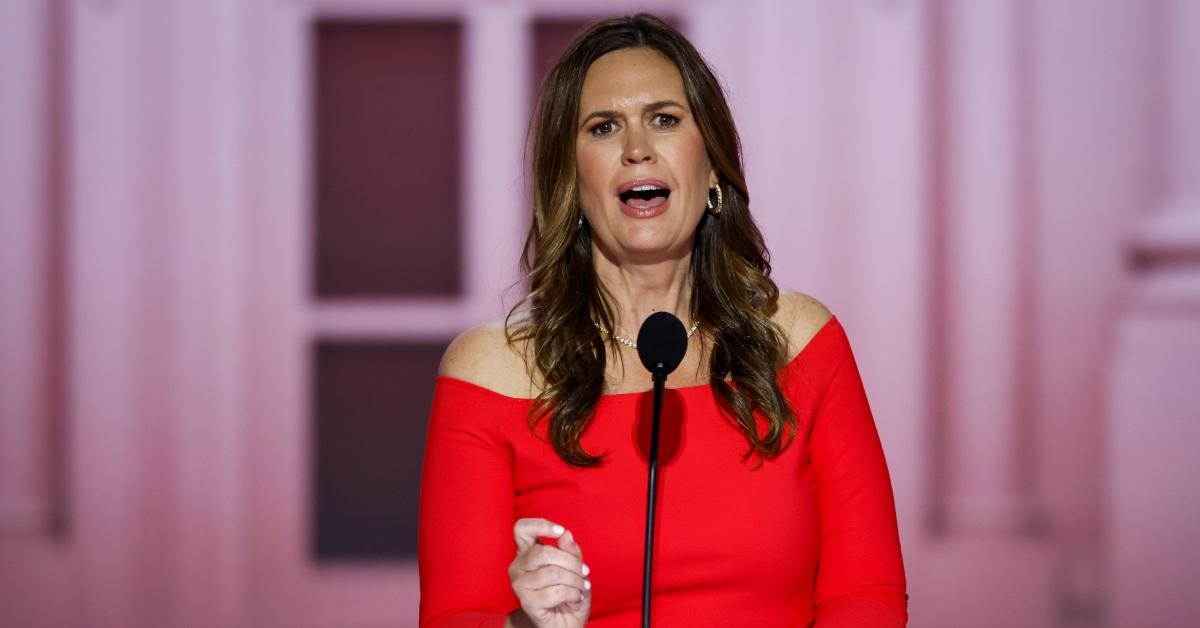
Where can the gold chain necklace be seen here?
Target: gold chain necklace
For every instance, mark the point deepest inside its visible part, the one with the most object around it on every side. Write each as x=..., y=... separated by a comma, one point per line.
x=633, y=345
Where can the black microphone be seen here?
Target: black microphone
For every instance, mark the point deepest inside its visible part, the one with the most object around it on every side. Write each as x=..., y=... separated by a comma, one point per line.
x=661, y=344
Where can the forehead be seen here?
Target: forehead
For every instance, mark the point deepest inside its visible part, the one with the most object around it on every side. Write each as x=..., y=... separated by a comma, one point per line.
x=630, y=77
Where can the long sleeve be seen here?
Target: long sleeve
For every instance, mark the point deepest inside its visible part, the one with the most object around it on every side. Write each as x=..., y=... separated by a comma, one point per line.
x=465, y=541
x=860, y=573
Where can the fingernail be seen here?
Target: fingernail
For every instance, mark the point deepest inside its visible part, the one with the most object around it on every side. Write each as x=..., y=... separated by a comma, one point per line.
x=586, y=569
x=558, y=529
x=587, y=584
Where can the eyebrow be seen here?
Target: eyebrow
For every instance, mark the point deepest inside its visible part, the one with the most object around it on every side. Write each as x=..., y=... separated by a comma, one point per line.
x=654, y=106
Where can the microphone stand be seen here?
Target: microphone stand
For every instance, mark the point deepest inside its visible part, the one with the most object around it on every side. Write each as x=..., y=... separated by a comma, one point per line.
x=662, y=343
x=660, y=379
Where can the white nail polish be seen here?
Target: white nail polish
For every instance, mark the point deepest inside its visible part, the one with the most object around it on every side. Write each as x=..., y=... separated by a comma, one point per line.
x=587, y=584
x=586, y=569
x=558, y=529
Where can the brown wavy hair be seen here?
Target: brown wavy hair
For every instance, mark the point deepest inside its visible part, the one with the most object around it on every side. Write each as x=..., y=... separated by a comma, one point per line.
x=732, y=293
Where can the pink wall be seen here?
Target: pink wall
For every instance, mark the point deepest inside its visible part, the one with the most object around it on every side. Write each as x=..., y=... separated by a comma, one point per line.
x=999, y=198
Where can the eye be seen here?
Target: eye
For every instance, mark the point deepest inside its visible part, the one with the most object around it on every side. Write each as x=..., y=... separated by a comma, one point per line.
x=602, y=129
x=668, y=120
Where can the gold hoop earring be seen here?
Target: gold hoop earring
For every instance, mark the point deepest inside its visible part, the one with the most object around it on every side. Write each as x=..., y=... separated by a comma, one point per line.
x=720, y=201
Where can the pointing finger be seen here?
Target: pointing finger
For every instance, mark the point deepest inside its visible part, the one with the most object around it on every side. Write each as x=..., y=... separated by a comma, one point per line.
x=526, y=531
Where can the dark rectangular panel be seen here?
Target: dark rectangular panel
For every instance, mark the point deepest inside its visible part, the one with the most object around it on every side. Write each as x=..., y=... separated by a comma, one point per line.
x=551, y=36
x=372, y=404
x=388, y=100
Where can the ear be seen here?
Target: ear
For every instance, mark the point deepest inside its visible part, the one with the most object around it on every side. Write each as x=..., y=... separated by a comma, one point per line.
x=712, y=178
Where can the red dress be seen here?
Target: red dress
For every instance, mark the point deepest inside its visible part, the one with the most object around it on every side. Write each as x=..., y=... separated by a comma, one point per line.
x=810, y=535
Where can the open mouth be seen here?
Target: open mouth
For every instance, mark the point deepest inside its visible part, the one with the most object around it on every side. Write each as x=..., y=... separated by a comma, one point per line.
x=644, y=197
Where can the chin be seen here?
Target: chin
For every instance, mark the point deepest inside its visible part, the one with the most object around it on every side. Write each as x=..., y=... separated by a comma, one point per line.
x=653, y=243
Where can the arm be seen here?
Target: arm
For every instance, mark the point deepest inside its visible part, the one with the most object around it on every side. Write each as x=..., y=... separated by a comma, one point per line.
x=465, y=541
x=860, y=573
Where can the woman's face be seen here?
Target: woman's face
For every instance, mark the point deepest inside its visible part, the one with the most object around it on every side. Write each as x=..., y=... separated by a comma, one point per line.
x=636, y=130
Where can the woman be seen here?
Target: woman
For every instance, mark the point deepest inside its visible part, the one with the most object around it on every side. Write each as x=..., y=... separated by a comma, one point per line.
x=775, y=502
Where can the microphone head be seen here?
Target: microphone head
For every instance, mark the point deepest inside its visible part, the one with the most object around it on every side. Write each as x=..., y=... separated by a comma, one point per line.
x=662, y=340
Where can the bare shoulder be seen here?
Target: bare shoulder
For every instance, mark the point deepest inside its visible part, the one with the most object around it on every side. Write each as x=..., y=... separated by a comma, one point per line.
x=800, y=316
x=483, y=356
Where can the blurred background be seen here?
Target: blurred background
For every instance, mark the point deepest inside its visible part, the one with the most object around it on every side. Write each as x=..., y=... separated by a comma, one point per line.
x=236, y=235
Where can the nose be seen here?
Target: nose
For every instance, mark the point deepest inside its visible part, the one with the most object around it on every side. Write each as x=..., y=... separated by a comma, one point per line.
x=638, y=149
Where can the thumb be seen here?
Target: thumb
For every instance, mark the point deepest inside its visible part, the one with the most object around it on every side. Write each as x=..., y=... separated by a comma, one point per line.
x=567, y=543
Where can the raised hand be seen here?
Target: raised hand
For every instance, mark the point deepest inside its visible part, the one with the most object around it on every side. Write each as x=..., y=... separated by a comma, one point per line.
x=550, y=582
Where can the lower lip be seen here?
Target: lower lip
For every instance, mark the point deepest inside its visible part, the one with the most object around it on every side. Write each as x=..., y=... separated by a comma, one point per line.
x=651, y=212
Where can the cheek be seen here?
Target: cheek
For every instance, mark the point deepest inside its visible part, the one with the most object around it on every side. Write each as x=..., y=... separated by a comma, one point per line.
x=698, y=160
x=592, y=173
x=692, y=165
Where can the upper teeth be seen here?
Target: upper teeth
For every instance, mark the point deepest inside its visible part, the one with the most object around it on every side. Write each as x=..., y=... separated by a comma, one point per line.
x=643, y=188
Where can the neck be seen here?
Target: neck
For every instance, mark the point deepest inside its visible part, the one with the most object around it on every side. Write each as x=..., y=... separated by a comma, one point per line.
x=641, y=289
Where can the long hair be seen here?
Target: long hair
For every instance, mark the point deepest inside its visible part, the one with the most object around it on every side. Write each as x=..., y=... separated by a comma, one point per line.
x=732, y=293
